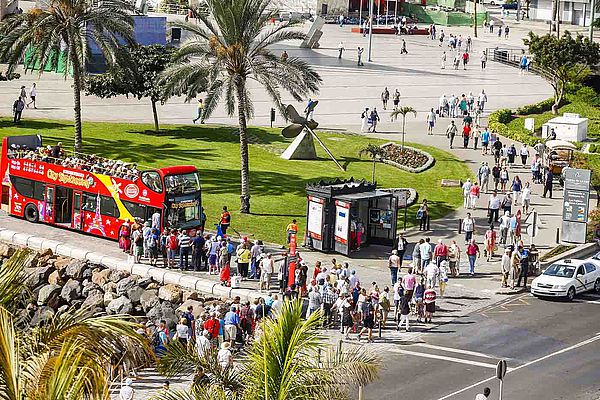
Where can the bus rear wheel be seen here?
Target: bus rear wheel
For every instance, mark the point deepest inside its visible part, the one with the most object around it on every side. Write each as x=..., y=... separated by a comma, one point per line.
x=31, y=213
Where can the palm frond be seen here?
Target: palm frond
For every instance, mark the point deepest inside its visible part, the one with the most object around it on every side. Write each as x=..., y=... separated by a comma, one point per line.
x=13, y=288
x=10, y=360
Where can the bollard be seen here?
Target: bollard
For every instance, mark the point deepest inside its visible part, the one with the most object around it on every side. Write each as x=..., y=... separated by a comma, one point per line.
x=459, y=226
x=557, y=235
x=272, y=116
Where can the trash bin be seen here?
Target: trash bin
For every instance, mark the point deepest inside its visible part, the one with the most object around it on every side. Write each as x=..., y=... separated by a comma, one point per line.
x=236, y=281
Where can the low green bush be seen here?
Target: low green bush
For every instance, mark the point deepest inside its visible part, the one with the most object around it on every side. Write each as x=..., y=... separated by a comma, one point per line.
x=587, y=95
x=497, y=123
x=594, y=148
x=537, y=108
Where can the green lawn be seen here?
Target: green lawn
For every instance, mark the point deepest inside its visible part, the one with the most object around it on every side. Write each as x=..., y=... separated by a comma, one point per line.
x=584, y=109
x=276, y=185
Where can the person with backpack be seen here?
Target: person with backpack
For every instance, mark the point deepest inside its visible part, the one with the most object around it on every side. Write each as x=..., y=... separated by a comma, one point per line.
x=225, y=220
x=190, y=322
x=160, y=339
x=213, y=326
x=162, y=246
x=152, y=245
x=17, y=108
x=172, y=246
x=138, y=244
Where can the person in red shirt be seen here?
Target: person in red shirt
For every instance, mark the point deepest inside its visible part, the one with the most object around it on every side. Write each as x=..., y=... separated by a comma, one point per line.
x=466, y=135
x=212, y=325
x=440, y=252
x=225, y=220
x=473, y=253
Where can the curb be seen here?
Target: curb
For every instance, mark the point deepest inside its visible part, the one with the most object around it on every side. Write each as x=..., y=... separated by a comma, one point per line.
x=581, y=251
x=160, y=275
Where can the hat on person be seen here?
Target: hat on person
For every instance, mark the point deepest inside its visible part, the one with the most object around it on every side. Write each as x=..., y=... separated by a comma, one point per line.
x=394, y=252
x=225, y=345
x=205, y=333
x=128, y=382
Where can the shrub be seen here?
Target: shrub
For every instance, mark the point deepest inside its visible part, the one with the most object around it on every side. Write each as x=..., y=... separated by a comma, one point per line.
x=497, y=123
x=587, y=95
x=593, y=224
x=538, y=108
x=594, y=148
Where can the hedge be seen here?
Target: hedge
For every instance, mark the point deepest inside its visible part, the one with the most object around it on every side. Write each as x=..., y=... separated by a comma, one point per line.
x=497, y=123
x=538, y=108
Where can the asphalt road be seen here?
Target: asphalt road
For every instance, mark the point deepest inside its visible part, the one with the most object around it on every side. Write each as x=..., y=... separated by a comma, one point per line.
x=552, y=347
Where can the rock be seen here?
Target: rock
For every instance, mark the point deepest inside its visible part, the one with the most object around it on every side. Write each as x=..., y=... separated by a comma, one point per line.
x=94, y=299
x=100, y=277
x=6, y=251
x=164, y=311
x=46, y=253
x=55, y=301
x=135, y=294
x=108, y=297
x=71, y=291
x=42, y=315
x=75, y=269
x=63, y=309
x=43, y=261
x=55, y=279
x=190, y=295
x=153, y=285
x=38, y=276
x=61, y=263
x=144, y=282
x=125, y=284
x=110, y=287
x=170, y=293
x=87, y=273
x=116, y=276
x=149, y=299
x=88, y=287
x=46, y=292
x=198, y=307
x=120, y=305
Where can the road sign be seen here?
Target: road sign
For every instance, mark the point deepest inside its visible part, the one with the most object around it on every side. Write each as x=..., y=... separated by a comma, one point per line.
x=532, y=231
x=575, y=205
x=577, y=179
x=501, y=369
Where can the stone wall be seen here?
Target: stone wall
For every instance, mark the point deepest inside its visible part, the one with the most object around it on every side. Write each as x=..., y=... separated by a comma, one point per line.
x=58, y=283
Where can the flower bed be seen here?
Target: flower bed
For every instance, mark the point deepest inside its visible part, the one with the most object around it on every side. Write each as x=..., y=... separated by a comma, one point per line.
x=409, y=159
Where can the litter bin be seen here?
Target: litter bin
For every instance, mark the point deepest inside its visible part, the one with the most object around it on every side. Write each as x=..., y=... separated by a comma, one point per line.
x=236, y=281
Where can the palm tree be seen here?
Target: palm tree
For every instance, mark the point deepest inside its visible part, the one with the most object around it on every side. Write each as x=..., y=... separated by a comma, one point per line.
x=66, y=29
x=285, y=362
x=67, y=356
x=374, y=152
x=232, y=44
x=403, y=111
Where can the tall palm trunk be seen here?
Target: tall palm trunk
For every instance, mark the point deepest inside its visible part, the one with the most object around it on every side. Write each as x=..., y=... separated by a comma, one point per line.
x=403, y=122
x=77, y=80
x=155, y=115
x=245, y=170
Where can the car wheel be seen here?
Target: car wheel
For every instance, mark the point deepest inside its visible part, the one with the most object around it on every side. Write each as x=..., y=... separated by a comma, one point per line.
x=31, y=213
x=493, y=3
x=571, y=293
x=597, y=286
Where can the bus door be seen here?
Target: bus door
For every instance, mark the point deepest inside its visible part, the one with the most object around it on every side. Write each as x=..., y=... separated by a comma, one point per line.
x=77, y=220
x=49, y=204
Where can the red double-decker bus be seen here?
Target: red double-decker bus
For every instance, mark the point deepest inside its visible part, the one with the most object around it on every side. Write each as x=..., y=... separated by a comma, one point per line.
x=92, y=194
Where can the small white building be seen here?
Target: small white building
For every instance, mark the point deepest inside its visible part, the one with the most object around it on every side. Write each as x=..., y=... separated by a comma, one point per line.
x=569, y=127
x=576, y=12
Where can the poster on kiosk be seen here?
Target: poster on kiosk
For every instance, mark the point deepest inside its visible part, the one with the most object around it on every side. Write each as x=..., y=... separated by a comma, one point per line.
x=342, y=227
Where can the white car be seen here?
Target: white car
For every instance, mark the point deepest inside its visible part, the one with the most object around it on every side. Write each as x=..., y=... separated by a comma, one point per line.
x=567, y=278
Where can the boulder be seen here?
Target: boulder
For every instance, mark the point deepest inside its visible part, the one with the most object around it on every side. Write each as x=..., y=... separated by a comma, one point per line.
x=43, y=261
x=61, y=263
x=94, y=300
x=164, y=310
x=125, y=284
x=116, y=276
x=75, y=269
x=55, y=301
x=41, y=315
x=89, y=287
x=71, y=291
x=120, y=305
x=153, y=285
x=144, y=282
x=108, y=297
x=149, y=299
x=190, y=295
x=100, y=277
x=110, y=287
x=6, y=251
x=55, y=279
x=46, y=292
x=135, y=294
x=170, y=293
x=198, y=307
x=87, y=273
x=38, y=276
x=46, y=253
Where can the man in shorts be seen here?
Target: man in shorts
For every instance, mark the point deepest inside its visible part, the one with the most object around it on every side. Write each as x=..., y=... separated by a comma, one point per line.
x=368, y=314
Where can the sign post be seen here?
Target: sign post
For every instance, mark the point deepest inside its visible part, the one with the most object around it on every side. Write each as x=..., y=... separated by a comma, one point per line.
x=500, y=373
x=532, y=229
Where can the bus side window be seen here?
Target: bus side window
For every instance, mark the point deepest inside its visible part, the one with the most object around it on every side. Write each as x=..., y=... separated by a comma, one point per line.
x=89, y=202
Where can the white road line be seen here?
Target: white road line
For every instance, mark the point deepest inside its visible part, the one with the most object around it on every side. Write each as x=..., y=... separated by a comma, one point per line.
x=566, y=349
x=445, y=358
x=453, y=350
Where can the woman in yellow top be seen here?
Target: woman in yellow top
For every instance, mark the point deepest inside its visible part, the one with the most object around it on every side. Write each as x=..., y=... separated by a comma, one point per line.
x=200, y=110
x=243, y=260
x=291, y=228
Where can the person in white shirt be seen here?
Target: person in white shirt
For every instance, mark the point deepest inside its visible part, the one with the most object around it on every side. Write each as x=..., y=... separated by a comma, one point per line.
x=32, y=95
x=466, y=188
x=504, y=224
x=276, y=305
x=202, y=344
x=394, y=264
x=126, y=392
x=524, y=153
x=443, y=103
x=443, y=277
x=431, y=274
x=267, y=267
x=468, y=226
x=493, y=207
x=486, y=391
x=430, y=122
x=526, y=198
x=353, y=280
x=224, y=356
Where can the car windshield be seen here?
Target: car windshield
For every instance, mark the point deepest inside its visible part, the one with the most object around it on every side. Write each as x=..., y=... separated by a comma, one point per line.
x=560, y=270
x=182, y=184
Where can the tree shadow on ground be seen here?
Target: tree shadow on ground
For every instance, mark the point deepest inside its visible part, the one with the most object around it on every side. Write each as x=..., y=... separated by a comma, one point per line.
x=32, y=124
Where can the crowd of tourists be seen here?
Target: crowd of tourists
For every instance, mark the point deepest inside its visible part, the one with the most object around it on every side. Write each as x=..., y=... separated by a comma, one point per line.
x=86, y=162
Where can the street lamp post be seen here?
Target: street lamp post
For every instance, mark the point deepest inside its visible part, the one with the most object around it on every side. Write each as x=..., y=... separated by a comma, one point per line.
x=370, y=29
x=592, y=12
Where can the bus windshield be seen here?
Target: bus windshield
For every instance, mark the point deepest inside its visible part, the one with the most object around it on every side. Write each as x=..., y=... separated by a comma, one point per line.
x=182, y=213
x=182, y=184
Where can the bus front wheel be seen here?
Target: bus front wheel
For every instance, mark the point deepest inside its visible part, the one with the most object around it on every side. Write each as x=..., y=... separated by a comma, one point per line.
x=31, y=213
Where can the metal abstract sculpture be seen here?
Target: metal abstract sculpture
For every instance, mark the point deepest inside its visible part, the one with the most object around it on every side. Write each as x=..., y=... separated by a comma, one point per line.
x=302, y=129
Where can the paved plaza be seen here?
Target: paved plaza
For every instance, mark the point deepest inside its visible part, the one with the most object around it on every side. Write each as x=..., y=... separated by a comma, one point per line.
x=476, y=323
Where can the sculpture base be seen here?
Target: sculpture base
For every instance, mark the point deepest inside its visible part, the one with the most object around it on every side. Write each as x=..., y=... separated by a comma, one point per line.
x=302, y=148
